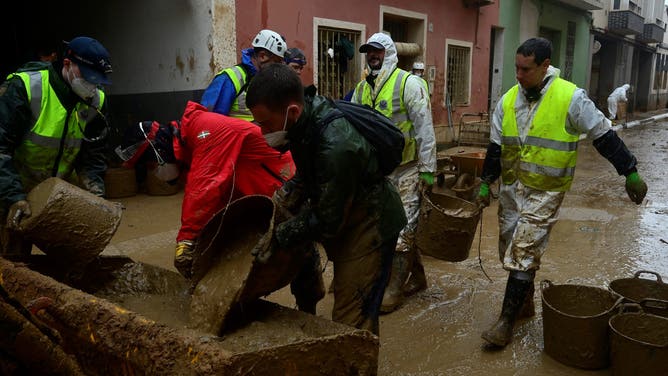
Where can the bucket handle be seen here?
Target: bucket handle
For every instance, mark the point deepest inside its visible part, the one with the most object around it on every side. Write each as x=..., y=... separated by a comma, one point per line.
x=639, y=272
x=654, y=304
x=628, y=307
x=545, y=284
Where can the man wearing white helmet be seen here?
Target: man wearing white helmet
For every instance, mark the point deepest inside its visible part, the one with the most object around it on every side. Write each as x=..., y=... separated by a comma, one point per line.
x=403, y=98
x=227, y=92
x=418, y=70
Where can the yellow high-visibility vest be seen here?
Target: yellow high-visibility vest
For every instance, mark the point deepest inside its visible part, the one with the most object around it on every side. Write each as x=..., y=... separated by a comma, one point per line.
x=239, y=78
x=54, y=141
x=546, y=159
x=390, y=102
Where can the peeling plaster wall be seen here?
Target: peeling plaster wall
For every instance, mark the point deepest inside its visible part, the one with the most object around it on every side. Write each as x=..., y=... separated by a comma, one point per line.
x=162, y=46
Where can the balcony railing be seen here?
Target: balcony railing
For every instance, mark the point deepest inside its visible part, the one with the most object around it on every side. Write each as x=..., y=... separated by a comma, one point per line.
x=652, y=33
x=584, y=4
x=625, y=22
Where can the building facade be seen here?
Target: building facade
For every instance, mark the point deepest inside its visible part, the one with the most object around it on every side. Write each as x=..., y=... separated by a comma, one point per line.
x=629, y=49
x=566, y=23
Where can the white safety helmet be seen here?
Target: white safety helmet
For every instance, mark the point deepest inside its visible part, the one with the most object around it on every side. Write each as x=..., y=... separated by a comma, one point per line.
x=271, y=41
x=418, y=65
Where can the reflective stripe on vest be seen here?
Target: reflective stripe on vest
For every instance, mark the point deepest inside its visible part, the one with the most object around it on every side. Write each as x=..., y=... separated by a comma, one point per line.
x=390, y=102
x=238, y=108
x=51, y=140
x=546, y=159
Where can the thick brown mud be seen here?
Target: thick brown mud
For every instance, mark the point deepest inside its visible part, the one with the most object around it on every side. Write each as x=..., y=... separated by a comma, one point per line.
x=601, y=236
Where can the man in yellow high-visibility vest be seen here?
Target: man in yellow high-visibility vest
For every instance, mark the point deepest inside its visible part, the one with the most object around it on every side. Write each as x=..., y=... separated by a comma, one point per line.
x=404, y=99
x=51, y=124
x=533, y=148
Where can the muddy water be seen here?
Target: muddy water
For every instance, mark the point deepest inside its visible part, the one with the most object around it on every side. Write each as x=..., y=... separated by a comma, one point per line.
x=600, y=237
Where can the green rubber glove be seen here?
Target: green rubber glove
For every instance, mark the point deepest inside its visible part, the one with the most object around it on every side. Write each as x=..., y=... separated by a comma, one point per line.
x=427, y=177
x=636, y=188
x=483, y=196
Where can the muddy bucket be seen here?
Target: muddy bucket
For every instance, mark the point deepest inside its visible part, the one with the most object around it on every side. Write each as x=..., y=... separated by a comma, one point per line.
x=446, y=227
x=639, y=344
x=575, y=324
x=68, y=223
x=225, y=273
x=157, y=187
x=120, y=182
x=636, y=289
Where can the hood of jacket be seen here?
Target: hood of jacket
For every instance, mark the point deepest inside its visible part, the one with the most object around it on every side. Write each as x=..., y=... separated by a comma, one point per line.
x=247, y=61
x=389, y=61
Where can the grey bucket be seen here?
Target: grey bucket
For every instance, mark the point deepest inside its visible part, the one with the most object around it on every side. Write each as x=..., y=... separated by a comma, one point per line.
x=636, y=289
x=575, y=323
x=639, y=342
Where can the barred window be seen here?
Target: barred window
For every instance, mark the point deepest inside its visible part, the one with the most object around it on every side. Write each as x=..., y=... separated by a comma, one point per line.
x=458, y=81
x=338, y=61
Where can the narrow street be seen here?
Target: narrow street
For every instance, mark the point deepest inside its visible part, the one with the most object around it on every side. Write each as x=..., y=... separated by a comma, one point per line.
x=601, y=236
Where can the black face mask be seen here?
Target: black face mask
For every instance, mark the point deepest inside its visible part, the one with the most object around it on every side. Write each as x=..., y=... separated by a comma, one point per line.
x=534, y=93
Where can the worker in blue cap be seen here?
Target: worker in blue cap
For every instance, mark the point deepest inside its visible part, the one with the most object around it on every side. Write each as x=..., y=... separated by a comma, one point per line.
x=51, y=124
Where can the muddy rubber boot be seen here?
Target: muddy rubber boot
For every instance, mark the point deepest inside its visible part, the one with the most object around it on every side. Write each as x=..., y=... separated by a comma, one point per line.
x=528, y=309
x=394, y=292
x=417, y=281
x=501, y=333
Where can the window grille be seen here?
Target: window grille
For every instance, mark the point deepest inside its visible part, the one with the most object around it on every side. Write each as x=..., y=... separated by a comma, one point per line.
x=337, y=75
x=458, y=76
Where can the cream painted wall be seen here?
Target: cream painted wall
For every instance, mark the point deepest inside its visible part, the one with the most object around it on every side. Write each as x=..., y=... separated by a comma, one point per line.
x=167, y=46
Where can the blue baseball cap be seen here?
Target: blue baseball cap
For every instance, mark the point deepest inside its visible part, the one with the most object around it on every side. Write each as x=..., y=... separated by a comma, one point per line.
x=92, y=59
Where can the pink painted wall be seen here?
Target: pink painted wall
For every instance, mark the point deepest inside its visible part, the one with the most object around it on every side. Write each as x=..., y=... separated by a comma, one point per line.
x=450, y=19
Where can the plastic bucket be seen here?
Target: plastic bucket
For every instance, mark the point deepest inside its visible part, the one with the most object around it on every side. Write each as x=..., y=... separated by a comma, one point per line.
x=636, y=289
x=120, y=182
x=639, y=344
x=71, y=225
x=446, y=226
x=225, y=274
x=575, y=323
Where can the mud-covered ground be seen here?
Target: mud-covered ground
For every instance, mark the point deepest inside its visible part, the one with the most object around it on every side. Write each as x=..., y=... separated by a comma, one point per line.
x=601, y=236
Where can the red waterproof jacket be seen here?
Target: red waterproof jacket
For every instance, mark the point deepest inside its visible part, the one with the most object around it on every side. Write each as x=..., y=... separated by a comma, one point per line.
x=228, y=159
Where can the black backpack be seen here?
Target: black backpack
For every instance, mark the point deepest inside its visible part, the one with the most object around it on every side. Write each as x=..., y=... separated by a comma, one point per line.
x=386, y=138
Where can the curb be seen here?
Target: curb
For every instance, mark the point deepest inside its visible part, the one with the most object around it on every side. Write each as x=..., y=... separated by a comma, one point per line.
x=649, y=120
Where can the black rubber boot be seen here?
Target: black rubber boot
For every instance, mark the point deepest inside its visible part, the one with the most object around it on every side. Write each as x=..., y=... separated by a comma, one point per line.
x=417, y=281
x=528, y=308
x=501, y=333
x=394, y=292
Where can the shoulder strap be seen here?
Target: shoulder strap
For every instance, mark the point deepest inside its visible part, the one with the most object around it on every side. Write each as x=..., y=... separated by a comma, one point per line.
x=246, y=81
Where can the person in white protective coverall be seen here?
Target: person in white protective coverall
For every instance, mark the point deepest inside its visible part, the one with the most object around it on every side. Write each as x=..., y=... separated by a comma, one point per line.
x=418, y=70
x=403, y=98
x=617, y=95
x=533, y=148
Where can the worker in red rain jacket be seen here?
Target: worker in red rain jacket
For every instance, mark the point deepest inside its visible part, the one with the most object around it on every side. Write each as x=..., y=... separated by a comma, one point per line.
x=226, y=158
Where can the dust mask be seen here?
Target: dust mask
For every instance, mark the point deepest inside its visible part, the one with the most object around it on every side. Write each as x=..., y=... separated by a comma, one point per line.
x=82, y=88
x=279, y=138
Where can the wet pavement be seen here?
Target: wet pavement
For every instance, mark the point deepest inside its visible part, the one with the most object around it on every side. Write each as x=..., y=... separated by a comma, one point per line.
x=601, y=236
